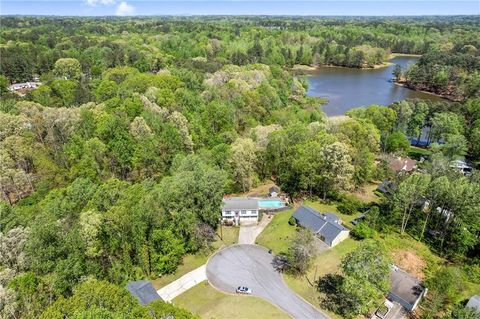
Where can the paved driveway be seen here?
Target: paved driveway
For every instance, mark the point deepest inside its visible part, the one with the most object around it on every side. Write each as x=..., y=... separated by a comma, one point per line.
x=251, y=266
x=248, y=233
x=183, y=283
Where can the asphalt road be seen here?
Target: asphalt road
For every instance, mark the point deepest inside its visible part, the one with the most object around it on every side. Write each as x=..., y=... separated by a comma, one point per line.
x=251, y=266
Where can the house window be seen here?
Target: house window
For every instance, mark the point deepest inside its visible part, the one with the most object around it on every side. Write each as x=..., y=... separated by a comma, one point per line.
x=227, y=212
x=243, y=212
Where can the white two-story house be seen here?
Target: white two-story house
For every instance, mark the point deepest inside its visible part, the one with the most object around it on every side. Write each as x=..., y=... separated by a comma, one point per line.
x=240, y=209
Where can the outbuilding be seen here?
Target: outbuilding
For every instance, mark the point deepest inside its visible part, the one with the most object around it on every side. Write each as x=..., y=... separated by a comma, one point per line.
x=274, y=191
x=328, y=226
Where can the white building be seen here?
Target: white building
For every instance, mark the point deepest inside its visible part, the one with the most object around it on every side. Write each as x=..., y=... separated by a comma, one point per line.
x=240, y=209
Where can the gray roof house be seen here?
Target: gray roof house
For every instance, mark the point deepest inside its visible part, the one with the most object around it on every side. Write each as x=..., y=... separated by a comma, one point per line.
x=474, y=303
x=406, y=289
x=239, y=203
x=240, y=209
x=143, y=291
x=327, y=226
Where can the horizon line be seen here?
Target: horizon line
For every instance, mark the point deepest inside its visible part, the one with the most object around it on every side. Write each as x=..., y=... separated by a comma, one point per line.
x=236, y=15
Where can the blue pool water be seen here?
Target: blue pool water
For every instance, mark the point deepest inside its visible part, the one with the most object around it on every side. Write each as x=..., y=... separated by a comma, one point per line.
x=270, y=203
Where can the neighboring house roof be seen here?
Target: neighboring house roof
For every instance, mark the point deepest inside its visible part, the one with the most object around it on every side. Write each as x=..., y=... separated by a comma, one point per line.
x=238, y=203
x=387, y=187
x=399, y=164
x=18, y=86
x=326, y=225
x=405, y=286
x=474, y=303
x=143, y=291
x=461, y=164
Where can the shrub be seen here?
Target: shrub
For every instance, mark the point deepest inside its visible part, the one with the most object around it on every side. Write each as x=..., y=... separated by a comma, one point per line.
x=473, y=273
x=350, y=206
x=292, y=221
x=362, y=231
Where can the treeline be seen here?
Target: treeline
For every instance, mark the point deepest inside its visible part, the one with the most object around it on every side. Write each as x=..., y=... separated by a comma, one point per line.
x=450, y=128
x=454, y=73
x=122, y=187
x=32, y=45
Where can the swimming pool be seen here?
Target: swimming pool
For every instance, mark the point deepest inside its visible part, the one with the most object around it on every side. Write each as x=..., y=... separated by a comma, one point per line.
x=270, y=203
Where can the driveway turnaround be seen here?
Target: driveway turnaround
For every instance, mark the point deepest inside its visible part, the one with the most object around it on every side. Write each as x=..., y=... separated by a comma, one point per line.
x=251, y=266
x=182, y=284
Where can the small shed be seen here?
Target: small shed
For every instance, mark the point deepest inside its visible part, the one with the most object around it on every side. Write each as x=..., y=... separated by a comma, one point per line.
x=274, y=191
x=143, y=291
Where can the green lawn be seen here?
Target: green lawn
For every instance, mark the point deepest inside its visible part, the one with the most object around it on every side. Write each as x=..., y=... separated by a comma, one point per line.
x=191, y=262
x=209, y=303
x=230, y=236
x=325, y=263
x=277, y=233
x=325, y=208
x=417, y=152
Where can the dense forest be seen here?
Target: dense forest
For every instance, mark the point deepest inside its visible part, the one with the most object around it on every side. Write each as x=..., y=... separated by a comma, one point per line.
x=115, y=167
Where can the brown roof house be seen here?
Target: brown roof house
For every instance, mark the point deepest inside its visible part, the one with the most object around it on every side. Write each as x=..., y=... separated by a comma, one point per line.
x=402, y=164
x=406, y=289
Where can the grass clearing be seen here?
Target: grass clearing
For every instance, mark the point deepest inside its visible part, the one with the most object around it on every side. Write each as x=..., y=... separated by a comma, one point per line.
x=366, y=193
x=191, y=262
x=277, y=233
x=331, y=208
x=325, y=263
x=209, y=303
x=417, y=152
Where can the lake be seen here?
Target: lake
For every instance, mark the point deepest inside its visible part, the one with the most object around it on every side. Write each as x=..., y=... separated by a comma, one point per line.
x=347, y=88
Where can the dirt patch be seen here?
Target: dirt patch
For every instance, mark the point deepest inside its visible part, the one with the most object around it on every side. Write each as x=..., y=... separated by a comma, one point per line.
x=259, y=191
x=410, y=262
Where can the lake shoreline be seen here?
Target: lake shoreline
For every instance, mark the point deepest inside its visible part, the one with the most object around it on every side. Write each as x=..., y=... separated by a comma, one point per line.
x=345, y=88
x=304, y=67
x=405, y=85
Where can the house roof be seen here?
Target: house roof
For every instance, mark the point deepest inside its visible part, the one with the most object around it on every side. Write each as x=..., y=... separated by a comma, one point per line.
x=239, y=203
x=474, y=303
x=405, y=286
x=461, y=164
x=143, y=291
x=327, y=225
x=387, y=187
x=399, y=164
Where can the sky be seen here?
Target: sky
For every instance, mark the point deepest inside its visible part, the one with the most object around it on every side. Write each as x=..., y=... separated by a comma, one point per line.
x=240, y=7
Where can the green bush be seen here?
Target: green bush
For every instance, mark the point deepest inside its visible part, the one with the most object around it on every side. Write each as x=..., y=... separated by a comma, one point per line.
x=350, y=206
x=292, y=221
x=473, y=273
x=362, y=231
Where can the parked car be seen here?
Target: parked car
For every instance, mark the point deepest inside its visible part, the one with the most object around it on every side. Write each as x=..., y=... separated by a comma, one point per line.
x=244, y=290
